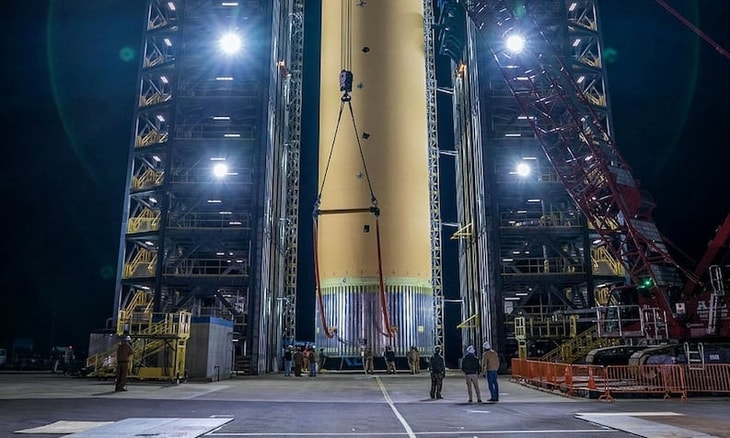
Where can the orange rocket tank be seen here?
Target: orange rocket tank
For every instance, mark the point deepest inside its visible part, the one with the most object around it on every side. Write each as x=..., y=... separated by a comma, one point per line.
x=382, y=43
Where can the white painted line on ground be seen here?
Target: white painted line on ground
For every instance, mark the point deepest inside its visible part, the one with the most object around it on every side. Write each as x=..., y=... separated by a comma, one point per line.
x=630, y=414
x=402, y=420
x=449, y=433
x=521, y=432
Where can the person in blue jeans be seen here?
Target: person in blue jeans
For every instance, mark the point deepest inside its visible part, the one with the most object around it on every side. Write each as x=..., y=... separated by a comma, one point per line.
x=288, y=357
x=490, y=366
x=312, y=356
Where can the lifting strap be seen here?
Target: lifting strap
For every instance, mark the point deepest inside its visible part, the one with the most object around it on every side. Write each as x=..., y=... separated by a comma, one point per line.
x=346, y=88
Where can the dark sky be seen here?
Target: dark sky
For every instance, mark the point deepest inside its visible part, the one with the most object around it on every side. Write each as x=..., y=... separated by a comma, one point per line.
x=69, y=70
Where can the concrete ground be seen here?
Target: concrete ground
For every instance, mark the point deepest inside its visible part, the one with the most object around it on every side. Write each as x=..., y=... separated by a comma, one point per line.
x=333, y=405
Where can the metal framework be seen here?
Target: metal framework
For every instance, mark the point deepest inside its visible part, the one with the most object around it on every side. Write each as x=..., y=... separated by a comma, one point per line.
x=528, y=252
x=560, y=93
x=434, y=177
x=294, y=105
x=189, y=237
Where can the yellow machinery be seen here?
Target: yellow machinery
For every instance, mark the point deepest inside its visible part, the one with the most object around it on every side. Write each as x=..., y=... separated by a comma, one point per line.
x=159, y=341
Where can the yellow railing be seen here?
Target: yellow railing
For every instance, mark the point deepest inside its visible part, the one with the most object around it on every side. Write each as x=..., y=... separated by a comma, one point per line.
x=600, y=258
x=149, y=178
x=470, y=322
x=153, y=99
x=147, y=220
x=150, y=138
x=577, y=347
x=144, y=259
x=149, y=324
x=539, y=265
x=151, y=333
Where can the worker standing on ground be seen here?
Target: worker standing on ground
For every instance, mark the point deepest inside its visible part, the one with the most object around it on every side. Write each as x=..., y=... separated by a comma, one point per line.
x=472, y=368
x=288, y=358
x=312, y=358
x=438, y=371
x=298, y=362
x=390, y=359
x=490, y=366
x=124, y=355
x=305, y=359
x=368, y=361
x=414, y=360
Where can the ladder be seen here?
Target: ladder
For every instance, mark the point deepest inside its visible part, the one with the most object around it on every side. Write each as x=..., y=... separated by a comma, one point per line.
x=695, y=358
x=718, y=291
x=521, y=336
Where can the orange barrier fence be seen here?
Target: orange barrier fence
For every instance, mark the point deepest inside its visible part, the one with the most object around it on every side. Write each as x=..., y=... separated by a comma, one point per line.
x=665, y=380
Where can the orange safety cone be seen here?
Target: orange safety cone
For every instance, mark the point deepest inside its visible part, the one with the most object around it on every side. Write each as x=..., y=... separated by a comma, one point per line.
x=591, y=380
x=568, y=380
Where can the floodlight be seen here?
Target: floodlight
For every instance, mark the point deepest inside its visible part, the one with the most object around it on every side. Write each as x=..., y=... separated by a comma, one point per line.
x=523, y=169
x=515, y=43
x=230, y=43
x=220, y=170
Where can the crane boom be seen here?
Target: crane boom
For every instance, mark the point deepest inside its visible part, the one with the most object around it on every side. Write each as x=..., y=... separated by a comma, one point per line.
x=721, y=50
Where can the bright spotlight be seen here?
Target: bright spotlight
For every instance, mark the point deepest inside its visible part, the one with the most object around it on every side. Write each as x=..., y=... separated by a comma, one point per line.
x=230, y=43
x=220, y=170
x=515, y=43
x=523, y=169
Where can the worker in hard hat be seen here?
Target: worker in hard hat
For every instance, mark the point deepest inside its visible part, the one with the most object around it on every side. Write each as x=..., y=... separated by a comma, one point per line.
x=472, y=368
x=490, y=366
x=124, y=356
x=312, y=359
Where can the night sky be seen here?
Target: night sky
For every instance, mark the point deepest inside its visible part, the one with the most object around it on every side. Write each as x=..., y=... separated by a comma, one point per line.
x=70, y=69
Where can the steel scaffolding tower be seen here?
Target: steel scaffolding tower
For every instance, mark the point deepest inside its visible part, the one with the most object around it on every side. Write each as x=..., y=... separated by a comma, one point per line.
x=531, y=266
x=212, y=171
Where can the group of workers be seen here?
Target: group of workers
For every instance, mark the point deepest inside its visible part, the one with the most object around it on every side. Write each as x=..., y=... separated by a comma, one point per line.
x=472, y=367
x=414, y=360
x=303, y=360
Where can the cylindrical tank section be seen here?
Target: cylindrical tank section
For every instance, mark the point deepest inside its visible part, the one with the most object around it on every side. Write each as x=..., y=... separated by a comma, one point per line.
x=382, y=43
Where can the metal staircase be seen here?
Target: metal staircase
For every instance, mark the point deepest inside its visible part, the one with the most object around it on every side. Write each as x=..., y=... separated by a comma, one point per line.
x=578, y=347
x=159, y=341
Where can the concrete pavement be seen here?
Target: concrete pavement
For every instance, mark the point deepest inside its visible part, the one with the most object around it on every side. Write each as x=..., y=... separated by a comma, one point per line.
x=333, y=404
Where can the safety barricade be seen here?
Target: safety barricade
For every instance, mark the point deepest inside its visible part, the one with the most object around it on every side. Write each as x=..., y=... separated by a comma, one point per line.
x=662, y=380
x=585, y=378
x=710, y=378
x=607, y=381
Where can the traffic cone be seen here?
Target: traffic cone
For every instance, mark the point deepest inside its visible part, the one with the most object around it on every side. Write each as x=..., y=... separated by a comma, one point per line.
x=591, y=380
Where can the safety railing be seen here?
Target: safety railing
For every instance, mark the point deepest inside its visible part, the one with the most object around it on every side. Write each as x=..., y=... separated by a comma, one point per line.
x=609, y=381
